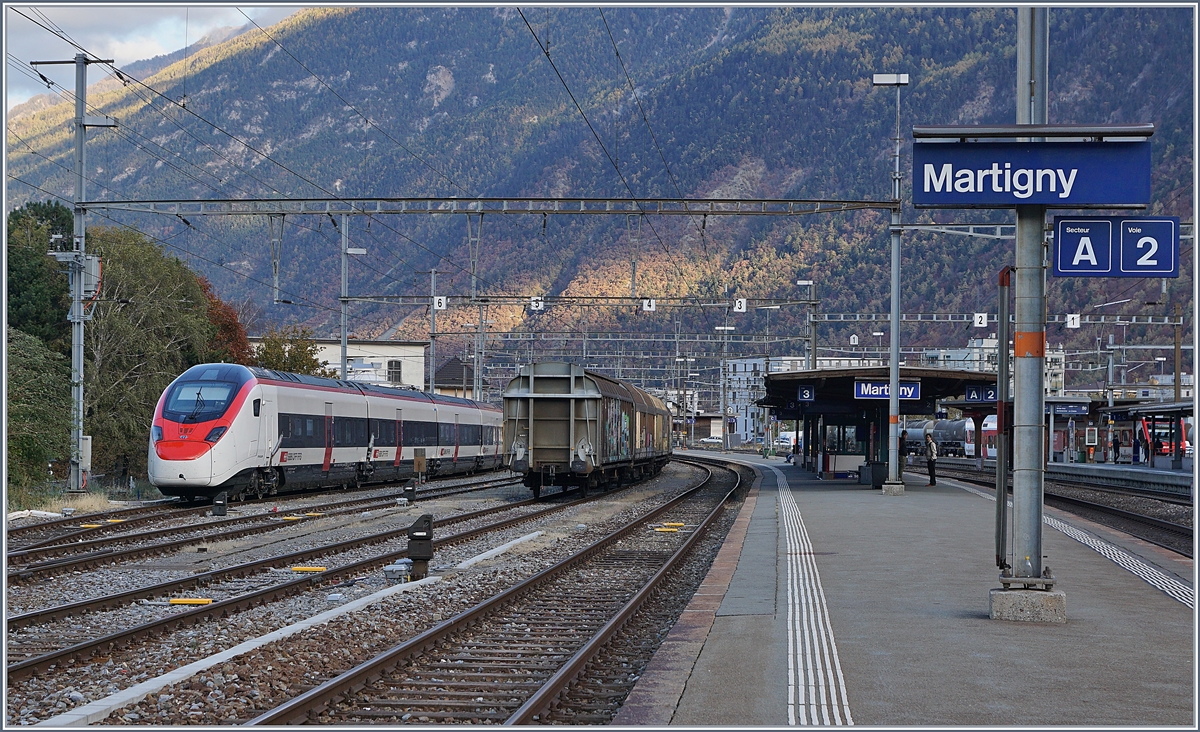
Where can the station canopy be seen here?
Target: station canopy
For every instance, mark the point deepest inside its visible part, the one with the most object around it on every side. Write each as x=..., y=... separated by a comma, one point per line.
x=833, y=391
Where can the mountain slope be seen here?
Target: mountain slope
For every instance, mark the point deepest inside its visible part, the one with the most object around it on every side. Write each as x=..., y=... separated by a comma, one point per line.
x=746, y=102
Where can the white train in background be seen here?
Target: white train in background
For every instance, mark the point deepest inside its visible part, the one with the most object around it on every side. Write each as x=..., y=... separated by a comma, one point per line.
x=248, y=431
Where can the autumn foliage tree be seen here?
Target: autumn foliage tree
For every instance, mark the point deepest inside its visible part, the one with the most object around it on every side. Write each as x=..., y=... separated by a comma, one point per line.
x=229, y=344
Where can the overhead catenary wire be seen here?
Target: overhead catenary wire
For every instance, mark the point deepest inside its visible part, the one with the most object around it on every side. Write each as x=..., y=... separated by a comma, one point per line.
x=332, y=195
x=546, y=52
x=165, y=242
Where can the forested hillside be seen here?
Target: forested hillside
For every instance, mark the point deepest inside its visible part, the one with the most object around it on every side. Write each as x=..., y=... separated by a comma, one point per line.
x=745, y=102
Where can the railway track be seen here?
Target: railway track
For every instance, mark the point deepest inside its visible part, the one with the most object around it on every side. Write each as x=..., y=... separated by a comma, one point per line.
x=24, y=663
x=48, y=560
x=520, y=656
x=69, y=528
x=1054, y=476
x=1167, y=534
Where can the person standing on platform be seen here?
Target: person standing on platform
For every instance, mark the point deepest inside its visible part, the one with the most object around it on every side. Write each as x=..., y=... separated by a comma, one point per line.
x=904, y=456
x=1116, y=448
x=931, y=451
x=1137, y=448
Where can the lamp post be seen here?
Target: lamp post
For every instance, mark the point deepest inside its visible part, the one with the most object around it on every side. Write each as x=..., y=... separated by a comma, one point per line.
x=894, y=485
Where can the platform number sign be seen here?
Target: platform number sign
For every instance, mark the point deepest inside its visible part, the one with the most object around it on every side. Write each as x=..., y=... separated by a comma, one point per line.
x=980, y=393
x=440, y=302
x=806, y=393
x=1072, y=320
x=739, y=305
x=1116, y=246
x=537, y=303
x=981, y=320
x=649, y=306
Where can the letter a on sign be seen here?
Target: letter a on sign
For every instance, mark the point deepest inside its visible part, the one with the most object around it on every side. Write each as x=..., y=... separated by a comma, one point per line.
x=1084, y=252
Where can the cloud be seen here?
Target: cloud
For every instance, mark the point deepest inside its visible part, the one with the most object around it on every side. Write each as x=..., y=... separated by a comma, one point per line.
x=122, y=33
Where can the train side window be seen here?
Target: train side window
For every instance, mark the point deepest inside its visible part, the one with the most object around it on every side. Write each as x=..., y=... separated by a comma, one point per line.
x=257, y=406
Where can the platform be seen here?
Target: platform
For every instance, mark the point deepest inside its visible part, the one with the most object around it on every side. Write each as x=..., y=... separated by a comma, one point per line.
x=831, y=603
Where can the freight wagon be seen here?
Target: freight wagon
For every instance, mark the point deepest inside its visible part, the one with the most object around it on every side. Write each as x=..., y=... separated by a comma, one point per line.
x=564, y=426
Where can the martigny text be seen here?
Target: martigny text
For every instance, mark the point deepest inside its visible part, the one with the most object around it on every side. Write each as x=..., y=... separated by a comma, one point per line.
x=1021, y=182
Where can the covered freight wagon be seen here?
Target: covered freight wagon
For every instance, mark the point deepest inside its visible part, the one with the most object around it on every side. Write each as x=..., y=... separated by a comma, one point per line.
x=569, y=427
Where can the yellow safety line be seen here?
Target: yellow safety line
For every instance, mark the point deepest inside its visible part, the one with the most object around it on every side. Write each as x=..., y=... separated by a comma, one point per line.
x=674, y=524
x=308, y=569
x=292, y=518
x=313, y=513
x=190, y=601
x=90, y=526
x=671, y=531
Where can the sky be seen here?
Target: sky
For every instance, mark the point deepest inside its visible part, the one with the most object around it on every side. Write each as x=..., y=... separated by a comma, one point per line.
x=124, y=33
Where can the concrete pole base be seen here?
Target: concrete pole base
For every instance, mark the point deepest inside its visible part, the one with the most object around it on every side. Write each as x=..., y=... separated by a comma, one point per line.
x=1036, y=606
x=893, y=489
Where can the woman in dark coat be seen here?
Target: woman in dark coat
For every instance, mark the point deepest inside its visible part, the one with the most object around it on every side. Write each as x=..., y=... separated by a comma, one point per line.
x=931, y=451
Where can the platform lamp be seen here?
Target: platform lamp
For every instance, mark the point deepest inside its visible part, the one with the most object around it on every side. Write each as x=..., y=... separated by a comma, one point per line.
x=894, y=484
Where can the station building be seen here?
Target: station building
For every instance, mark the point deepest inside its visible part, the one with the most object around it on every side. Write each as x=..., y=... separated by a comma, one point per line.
x=394, y=363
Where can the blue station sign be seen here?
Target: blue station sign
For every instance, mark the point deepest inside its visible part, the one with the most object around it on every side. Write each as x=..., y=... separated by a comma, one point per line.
x=806, y=393
x=1007, y=174
x=882, y=390
x=1116, y=246
x=1074, y=409
x=980, y=393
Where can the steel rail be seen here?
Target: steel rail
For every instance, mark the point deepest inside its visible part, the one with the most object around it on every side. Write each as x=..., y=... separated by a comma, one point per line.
x=1168, y=527
x=231, y=605
x=238, y=570
x=262, y=523
x=548, y=696
x=154, y=513
x=300, y=708
x=19, y=531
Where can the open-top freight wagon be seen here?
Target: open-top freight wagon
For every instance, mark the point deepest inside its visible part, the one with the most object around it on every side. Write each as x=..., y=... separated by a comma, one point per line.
x=564, y=426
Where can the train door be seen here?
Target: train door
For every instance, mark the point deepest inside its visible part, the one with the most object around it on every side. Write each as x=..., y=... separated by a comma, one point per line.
x=328, y=437
x=456, y=439
x=399, y=441
x=264, y=415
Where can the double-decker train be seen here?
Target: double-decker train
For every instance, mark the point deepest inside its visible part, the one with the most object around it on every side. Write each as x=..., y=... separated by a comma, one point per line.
x=249, y=431
x=564, y=426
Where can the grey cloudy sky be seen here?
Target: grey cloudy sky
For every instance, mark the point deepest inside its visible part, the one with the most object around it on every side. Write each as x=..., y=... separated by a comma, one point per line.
x=124, y=33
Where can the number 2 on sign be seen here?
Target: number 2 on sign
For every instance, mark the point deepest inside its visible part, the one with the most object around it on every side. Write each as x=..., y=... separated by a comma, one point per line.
x=981, y=320
x=1147, y=260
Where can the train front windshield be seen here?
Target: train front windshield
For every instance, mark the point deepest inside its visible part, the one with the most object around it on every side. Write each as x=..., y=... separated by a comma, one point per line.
x=198, y=401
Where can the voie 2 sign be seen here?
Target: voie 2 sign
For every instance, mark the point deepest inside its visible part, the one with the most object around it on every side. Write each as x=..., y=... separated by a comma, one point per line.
x=1116, y=246
x=1007, y=174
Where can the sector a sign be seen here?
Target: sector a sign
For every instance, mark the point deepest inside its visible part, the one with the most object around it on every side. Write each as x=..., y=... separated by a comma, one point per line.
x=1007, y=174
x=1116, y=246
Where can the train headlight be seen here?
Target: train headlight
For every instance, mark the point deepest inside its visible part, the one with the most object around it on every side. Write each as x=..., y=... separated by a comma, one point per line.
x=215, y=434
x=156, y=433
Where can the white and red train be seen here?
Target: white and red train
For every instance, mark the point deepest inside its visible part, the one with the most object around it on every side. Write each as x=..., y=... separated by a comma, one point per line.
x=249, y=431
